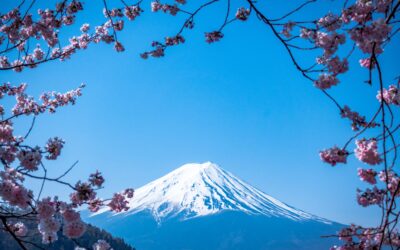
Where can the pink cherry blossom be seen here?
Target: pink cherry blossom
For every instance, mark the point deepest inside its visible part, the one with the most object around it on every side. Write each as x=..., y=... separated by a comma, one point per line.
x=30, y=159
x=329, y=42
x=287, y=28
x=49, y=237
x=53, y=147
x=101, y=245
x=74, y=229
x=242, y=14
x=370, y=197
x=371, y=36
x=336, y=66
x=85, y=27
x=84, y=193
x=95, y=204
x=6, y=132
x=48, y=226
x=367, y=175
x=8, y=154
x=170, y=41
x=15, y=194
x=119, y=25
x=357, y=120
x=390, y=95
x=367, y=151
x=166, y=8
x=392, y=180
x=96, y=179
x=334, y=155
x=19, y=229
x=366, y=63
x=119, y=47
x=213, y=36
x=325, y=81
x=131, y=12
x=330, y=22
x=46, y=208
x=129, y=192
x=118, y=203
x=70, y=215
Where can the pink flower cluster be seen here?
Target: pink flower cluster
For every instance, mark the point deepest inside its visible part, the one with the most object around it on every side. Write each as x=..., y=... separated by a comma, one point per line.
x=170, y=41
x=361, y=12
x=166, y=8
x=53, y=148
x=367, y=175
x=96, y=179
x=357, y=120
x=329, y=42
x=336, y=66
x=83, y=193
x=6, y=132
x=356, y=237
x=12, y=190
x=131, y=12
x=19, y=229
x=49, y=220
x=371, y=37
x=158, y=51
x=330, y=22
x=390, y=96
x=38, y=53
x=159, y=48
x=95, y=204
x=369, y=197
x=366, y=63
x=287, y=28
x=48, y=223
x=50, y=101
x=367, y=151
x=392, y=180
x=129, y=192
x=119, y=47
x=20, y=28
x=73, y=226
x=325, y=81
x=213, y=36
x=242, y=14
x=119, y=202
x=101, y=245
x=14, y=193
x=334, y=155
x=30, y=159
x=7, y=89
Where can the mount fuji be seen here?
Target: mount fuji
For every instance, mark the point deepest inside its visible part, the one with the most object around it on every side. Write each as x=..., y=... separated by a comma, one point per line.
x=202, y=206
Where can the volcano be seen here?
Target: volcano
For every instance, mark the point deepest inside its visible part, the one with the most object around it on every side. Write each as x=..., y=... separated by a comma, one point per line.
x=202, y=206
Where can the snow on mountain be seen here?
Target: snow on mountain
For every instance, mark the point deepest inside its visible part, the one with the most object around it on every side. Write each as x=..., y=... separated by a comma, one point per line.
x=195, y=190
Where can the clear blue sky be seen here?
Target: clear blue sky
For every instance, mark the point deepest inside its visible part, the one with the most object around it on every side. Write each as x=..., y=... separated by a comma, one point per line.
x=239, y=103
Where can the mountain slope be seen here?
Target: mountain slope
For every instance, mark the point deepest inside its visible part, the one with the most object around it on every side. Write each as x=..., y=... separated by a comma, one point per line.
x=203, y=189
x=201, y=206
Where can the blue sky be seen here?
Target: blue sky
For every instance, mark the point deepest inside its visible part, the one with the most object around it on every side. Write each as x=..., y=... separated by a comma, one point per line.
x=239, y=103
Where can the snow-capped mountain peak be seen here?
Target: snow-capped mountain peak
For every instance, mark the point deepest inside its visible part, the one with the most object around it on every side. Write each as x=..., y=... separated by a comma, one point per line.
x=194, y=190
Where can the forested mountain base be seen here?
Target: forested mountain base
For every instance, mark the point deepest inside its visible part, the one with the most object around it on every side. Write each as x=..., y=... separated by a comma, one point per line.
x=92, y=235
